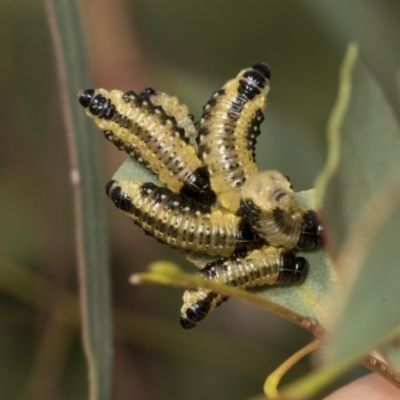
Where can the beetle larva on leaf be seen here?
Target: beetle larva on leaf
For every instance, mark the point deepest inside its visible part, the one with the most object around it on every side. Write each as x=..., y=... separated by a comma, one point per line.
x=216, y=201
x=265, y=266
x=228, y=129
x=152, y=136
x=268, y=205
x=180, y=222
x=173, y=108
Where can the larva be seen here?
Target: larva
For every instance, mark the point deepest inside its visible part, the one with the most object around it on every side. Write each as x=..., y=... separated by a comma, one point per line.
x=173, y=108
x=150, y=135
x=264, y=266
x=267, y=204
x=228, y=129
x=180, y=222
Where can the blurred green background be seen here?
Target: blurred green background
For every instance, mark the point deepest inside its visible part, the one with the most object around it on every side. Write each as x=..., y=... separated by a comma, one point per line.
x=189, y=49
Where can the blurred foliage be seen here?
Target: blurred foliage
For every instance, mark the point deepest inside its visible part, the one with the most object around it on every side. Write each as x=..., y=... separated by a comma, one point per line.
x=188, y=49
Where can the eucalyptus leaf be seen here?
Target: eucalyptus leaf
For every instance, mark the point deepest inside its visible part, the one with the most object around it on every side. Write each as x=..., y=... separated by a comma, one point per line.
x=361, y=213
x=369, y=154
x=371, y=314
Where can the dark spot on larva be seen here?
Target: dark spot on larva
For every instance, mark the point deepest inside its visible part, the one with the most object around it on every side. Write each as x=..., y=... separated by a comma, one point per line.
x=97, y=104
x=147, y=188
x=129, y=96
x=108, y=135
x=248, y=90
x=211, y=103
x=147, y=92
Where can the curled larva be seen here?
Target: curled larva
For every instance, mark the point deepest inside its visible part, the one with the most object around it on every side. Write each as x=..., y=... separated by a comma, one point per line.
x=172, y=107
x=180, y=222
x=152, y=136
x=228, y=129
x=268, y=205
x=264, y=266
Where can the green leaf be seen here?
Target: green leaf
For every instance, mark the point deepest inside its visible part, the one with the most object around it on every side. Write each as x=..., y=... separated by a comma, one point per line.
x=311, y=300
x=367, y=146
x=371, y=315
x=360, y=208
x=91, y=234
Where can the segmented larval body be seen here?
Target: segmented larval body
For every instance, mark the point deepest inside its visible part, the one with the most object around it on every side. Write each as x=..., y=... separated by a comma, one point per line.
x=172, y=107
x=268, y=205
x=150, y=135
x=264, y=266
x=180, y=222
x=228, y=129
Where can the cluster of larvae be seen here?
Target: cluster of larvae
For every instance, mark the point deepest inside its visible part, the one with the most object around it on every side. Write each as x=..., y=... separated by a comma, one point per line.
x=215, y=200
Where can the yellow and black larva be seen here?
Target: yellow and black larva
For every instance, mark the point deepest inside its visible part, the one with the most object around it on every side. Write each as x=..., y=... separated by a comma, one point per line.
x=173, y=108
x=265, y=266
x=267, y=204
x=181, y=222
x=259, y=221
x=150, y=135
x=228, y=129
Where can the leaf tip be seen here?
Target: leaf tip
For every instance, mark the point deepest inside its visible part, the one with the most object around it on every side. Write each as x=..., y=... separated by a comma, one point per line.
x=135, y=279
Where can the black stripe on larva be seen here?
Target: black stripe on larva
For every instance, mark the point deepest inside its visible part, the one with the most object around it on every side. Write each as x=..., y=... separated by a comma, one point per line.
x=280, y=218
x=85, y=97
x=108, y=187
x=255, y=79
x=263, y=69
x=238, y=104
x=199, y=310
x=232, y=116
x=247, y=238
x=248, y=90
x=292, y=270
x=249, y=211
x=121, y=199
x=311, y=231
x=272, y=265
x=198, y=187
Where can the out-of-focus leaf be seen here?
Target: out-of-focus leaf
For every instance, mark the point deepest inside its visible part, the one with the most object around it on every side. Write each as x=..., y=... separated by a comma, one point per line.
x=91, y=230
x=369, y=141
x=361, y=213
x=371, y=314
